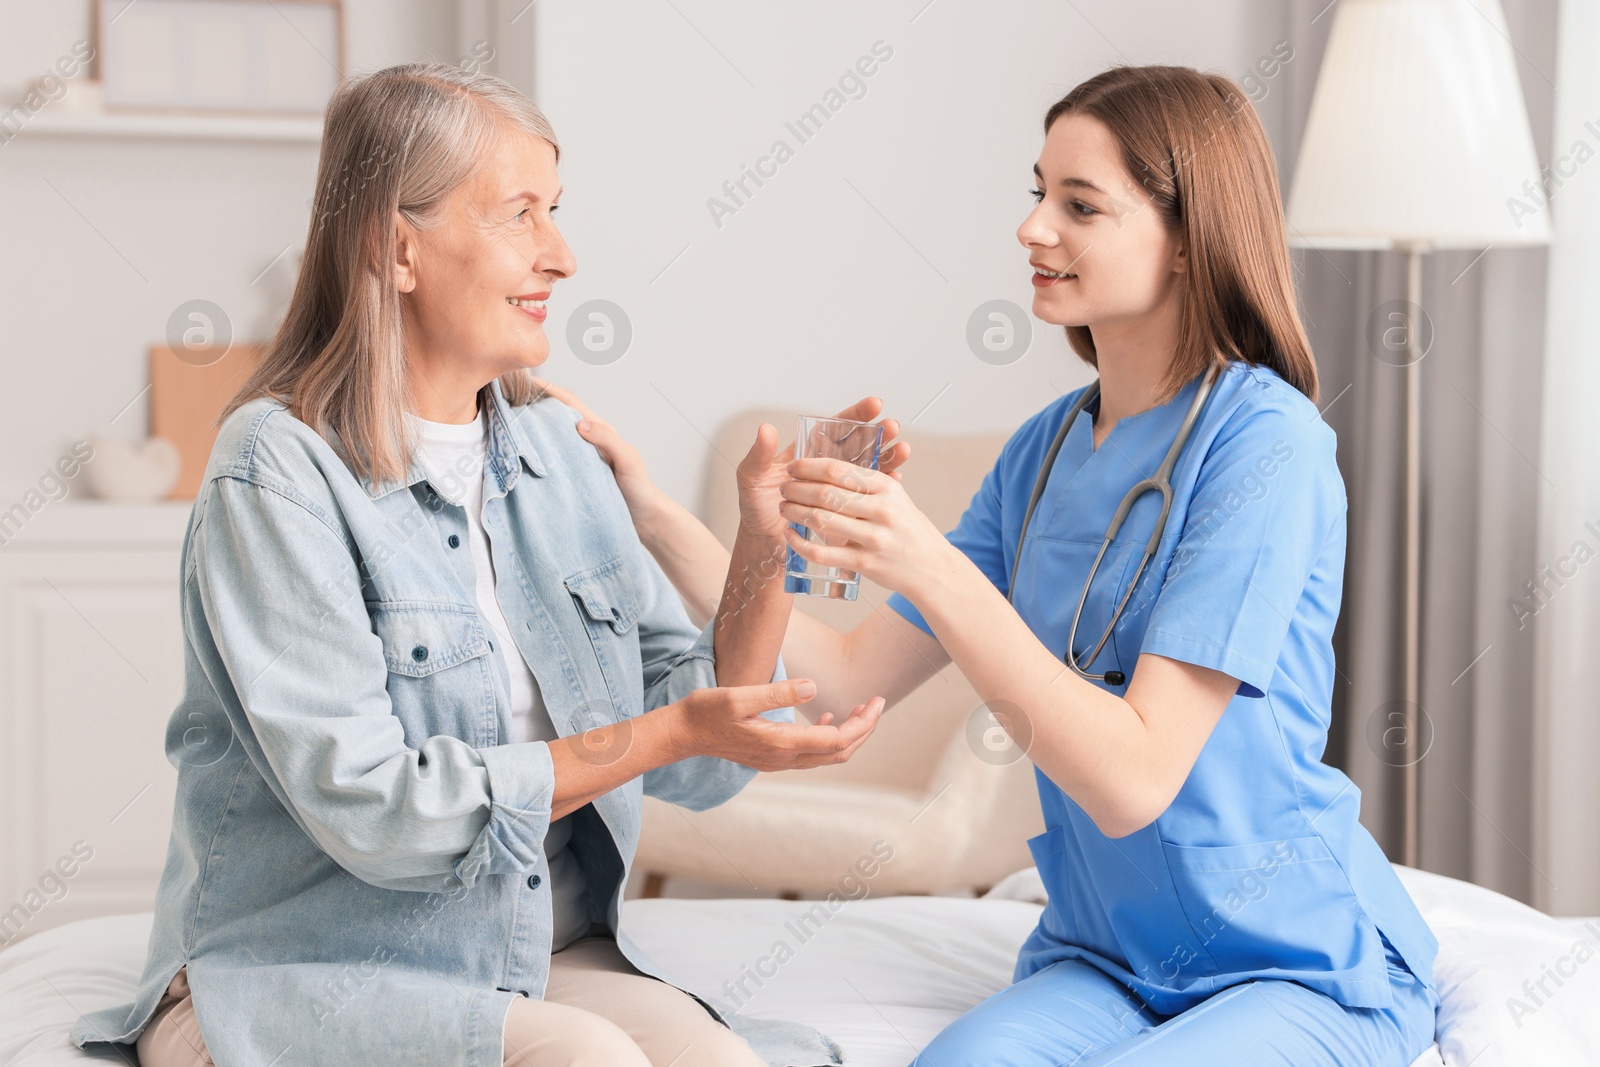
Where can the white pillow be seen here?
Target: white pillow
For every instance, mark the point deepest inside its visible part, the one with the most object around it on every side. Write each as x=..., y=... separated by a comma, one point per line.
x=1025, y=884
x=1504, y=1000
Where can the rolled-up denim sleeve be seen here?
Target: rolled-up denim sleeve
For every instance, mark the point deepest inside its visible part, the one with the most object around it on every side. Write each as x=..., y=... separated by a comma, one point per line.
x=275, y=596
x=677, y=660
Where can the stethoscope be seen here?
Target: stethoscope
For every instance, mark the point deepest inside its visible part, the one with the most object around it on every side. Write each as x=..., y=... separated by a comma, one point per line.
x=1161, y=481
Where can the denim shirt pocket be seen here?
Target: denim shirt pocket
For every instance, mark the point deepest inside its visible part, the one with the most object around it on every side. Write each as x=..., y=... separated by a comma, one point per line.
x=604, y=594
x=610, y=610
x=439, y=674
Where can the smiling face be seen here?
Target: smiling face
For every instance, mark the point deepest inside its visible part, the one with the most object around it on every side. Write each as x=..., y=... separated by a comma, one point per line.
x=475, y=285
x=1102, y=255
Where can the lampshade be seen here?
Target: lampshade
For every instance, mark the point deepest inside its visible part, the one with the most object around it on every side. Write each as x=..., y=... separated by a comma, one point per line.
x=1418, y=133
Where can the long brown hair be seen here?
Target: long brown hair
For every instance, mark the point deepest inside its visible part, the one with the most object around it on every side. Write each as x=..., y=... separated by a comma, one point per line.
x=1193, y=141
x=398, y=140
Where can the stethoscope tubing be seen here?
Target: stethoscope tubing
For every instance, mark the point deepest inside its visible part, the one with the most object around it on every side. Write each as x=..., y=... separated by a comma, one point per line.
x=1161, y=481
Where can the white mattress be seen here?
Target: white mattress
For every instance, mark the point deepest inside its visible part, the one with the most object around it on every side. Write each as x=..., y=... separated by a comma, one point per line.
x=882, y=977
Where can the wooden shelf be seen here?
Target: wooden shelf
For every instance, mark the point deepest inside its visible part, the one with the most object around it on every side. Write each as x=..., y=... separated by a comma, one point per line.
x=173, y=127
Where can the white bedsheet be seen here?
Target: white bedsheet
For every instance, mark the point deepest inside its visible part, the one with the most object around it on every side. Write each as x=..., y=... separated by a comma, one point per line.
x=882, y=976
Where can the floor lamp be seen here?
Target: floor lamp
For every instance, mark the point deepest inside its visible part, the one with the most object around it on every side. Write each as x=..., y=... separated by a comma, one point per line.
x=1417, y=141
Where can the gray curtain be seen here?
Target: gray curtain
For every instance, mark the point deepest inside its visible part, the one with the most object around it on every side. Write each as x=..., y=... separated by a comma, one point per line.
x=1481, y=400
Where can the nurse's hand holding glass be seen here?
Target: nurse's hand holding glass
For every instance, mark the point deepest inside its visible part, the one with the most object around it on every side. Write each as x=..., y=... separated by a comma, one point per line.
x=869, y=525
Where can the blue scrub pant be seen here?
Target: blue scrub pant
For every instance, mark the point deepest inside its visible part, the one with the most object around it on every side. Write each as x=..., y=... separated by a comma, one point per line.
x=1070, y=1014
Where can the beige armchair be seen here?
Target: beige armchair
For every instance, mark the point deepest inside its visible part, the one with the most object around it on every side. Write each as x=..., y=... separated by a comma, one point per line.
x=922, y=785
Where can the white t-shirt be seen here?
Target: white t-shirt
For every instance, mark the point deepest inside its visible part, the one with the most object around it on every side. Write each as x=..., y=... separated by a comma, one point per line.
x=452, y=456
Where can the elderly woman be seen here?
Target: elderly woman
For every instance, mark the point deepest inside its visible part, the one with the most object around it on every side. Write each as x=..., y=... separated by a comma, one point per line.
x=430, y=670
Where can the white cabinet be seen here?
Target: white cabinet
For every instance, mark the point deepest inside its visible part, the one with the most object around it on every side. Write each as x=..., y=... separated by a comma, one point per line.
x=91, y=667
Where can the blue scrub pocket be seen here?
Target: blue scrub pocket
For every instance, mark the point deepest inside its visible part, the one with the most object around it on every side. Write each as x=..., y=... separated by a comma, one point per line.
x=1272, y=906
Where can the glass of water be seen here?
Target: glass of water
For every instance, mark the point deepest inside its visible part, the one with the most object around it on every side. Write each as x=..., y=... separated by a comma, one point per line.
x=853, y=442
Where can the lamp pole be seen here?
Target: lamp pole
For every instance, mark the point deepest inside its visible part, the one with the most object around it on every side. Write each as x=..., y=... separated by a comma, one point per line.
x=1412, y=603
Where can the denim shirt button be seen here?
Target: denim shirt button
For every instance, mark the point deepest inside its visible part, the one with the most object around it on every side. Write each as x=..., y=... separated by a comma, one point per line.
x=419, y=653
x=455, y=541
x=533, y=881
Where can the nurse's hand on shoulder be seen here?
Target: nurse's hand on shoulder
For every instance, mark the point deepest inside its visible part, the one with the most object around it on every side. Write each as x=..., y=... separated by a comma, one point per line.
x=760, y=474
x=867, y=523
x=727, y=723
x=626, y=464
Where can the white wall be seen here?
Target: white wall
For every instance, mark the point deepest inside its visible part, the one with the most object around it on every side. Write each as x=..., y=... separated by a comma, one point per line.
x=808, y=296
x=653, y=120
x=90, y=273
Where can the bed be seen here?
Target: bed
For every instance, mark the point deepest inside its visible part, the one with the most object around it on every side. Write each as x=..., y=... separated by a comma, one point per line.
x=883, y=975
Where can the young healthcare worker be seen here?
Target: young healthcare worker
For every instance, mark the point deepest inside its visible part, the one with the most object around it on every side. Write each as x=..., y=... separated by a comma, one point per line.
x=1213, y=897
x=430, y=672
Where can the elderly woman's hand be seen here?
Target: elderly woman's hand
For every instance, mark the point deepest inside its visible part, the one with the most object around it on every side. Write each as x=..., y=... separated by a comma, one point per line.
x=867, y=522
x=726, y=723
x=764, y=470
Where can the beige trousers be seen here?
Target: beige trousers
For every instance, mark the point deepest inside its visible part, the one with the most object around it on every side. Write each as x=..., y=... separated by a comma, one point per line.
x=597, y=1011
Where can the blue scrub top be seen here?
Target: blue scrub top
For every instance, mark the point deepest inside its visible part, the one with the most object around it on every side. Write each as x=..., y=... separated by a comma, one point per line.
x=1260, y=867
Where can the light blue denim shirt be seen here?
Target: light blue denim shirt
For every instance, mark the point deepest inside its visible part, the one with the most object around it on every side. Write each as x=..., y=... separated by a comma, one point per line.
x=356, y=870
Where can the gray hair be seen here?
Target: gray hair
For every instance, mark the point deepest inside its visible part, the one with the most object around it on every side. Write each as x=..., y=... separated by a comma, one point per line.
x=401, y=140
